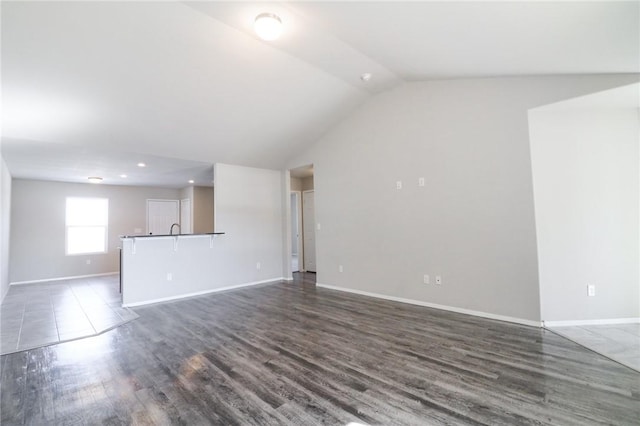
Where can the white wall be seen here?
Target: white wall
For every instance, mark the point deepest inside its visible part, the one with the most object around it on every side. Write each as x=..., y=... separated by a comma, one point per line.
x=585, y=174
x=5, y=221
x=38, y=226
x=248, y=204
x=473, y=221
x=249, y=209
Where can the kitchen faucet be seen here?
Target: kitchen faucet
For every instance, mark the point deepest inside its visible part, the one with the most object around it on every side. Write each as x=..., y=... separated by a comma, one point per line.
x=171, y=230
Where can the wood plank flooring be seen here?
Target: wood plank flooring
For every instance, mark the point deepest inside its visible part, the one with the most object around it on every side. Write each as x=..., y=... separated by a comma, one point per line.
x=291, y=353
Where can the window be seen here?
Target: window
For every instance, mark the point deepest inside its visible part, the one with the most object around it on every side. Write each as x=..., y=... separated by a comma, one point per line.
x=86, y=222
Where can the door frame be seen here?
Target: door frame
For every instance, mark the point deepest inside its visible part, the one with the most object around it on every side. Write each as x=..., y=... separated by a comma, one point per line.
x=298, y=195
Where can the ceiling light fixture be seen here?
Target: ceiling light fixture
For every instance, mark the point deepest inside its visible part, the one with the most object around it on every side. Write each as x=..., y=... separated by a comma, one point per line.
x=191, y=181
x=123, y=176
x=142, y=165
x=268, y=26
x=95, y=179
x=366, y=76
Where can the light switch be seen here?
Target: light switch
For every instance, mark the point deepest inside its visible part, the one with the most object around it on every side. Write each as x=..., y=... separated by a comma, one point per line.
x=399, y=184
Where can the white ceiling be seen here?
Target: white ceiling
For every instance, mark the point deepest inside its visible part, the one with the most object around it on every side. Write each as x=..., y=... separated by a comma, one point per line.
x=620, y=97
x=74, y=163
x=190, y=81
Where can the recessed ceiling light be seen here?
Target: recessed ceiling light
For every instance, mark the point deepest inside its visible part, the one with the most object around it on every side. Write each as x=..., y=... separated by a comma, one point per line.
x=366, y=76
x=142, y=165
x=123, y=176
x=268, y=26
x=95, y=179
x=191, y=181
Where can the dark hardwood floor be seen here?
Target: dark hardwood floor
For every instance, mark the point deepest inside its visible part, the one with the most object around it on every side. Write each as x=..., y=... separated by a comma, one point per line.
x=289, y=353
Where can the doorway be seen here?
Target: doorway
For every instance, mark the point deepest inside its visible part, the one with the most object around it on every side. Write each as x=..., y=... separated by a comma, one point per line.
x=303, y=223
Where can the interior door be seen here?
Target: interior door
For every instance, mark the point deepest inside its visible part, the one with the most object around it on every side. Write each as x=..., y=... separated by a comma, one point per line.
x=309, y=230
x=161, y=214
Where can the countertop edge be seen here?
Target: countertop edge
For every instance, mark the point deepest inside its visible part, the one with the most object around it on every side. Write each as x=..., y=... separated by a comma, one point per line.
x=126, y=237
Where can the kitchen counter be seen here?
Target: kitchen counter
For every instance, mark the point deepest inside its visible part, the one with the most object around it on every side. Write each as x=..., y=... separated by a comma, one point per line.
x=170, y=235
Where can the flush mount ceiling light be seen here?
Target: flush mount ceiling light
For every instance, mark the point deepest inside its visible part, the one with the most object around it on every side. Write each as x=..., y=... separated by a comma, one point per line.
x=268, y=26
x=366, y=76
x=142, y=165
x=191, y=181
x=95, y=179
x=123, y=176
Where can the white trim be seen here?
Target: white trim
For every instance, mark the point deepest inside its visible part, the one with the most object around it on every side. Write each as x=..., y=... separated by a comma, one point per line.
x=521, y=321
x=63, y=278
x=299, y=237
x=201, y=293
x=610, y=321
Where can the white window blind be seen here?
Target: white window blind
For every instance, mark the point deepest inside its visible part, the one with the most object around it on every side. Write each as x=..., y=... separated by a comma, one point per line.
x=87, y=223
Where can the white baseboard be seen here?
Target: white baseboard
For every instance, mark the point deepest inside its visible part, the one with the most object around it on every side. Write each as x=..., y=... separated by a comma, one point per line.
x=63, y=278
x=573, y=323
x=201, y=293
x=487, y=315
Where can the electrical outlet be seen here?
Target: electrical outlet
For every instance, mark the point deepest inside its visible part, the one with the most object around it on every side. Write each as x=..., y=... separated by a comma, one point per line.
x=591, y=290
x=258, y=265
x=426, y=279
x=340, y=268
x=399, y=184
x=421, y=181
x=169, y=276
x=438, y=280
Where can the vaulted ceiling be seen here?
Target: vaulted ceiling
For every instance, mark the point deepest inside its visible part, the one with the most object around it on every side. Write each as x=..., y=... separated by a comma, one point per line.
x=113, y=81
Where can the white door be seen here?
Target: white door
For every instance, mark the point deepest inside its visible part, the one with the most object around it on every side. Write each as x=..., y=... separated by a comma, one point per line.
x=309, y=230
x=185, y=216
x=161, y=214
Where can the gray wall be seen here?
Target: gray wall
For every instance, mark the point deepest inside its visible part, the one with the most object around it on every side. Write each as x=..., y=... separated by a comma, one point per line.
x=585, y=174
x=5, y=221
x=306, y=183
x=38, y=227
x=296, y=184
x=202, y=207
x=473, y=221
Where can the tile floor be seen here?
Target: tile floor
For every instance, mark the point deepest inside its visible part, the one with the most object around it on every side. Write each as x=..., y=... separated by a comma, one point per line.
x=619, y=342
x=34, y=315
